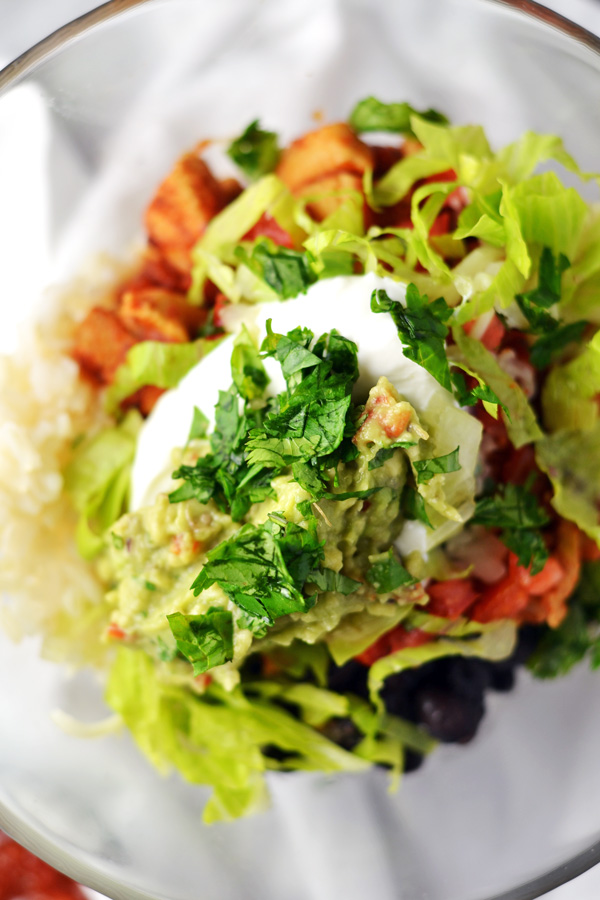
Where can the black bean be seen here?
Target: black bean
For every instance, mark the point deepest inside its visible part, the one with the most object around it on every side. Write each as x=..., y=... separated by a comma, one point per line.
x=343, y=731
x=502, y=676
x=412, y=760
x=468, y=678
x=527, y=640
x=351, y=678
x=272, y=751
x=447, y=716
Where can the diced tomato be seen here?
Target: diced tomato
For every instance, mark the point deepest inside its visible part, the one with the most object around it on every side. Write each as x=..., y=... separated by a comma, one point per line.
x=450, y=599
x=396, y=639
x=24, y=876
x=400, y=638
x=551, y=575
x=590, y=551
x=504, y=600
x=268, y=227
x=494, y=427
x=220, y=303
x=446, y=175
x=113, y=631
x=493, y=334
x=442, y=224
x=543, y=581
x=519, y=465
x=457, y=200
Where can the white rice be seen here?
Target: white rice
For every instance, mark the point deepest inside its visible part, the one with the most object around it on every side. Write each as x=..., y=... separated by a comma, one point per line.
x=44, y=407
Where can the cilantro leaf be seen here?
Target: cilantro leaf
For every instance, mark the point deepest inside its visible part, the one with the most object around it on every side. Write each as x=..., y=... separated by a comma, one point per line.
x=247, y=369
x=380, y=458
x=205, y=640
x=554, y=337
x=548, y=291
x=328, y=580
x=421, y=329
x=511, y=506
x=549, y=346
x=413, y=506
x=578, y=635
x=515, y=510
x=252, y=569
x=199, y=427
x=287, y=272
x=371, y=114
x=438, y=465
x=256, y=152
x=469, y=397
x=387, y=574
x=199, y=481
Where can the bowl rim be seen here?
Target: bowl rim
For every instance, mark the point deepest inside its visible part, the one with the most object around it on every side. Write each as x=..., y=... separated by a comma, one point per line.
x=44, y=48
x=25, y=833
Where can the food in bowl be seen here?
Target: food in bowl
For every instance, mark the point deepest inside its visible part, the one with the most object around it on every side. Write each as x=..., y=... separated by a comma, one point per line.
x=320, y=469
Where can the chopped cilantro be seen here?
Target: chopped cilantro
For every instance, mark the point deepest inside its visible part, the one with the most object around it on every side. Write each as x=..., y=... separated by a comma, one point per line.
x=199, y=427
x=381, y=457
x=438, y=465
x=387, y=574
x=262, y=569
x=549, y=346
x=421, y=329
x=247, y=369
x=287, y=272
x=371, y=114
x=553, y=337
x=256, y=152
x=206, y=640
x=413, y=506
x=469, y=397
x=515, y=510
x=548, y=291
x=328, y=580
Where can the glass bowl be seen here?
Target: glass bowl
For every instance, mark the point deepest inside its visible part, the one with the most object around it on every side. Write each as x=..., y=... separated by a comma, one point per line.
x=97, y=114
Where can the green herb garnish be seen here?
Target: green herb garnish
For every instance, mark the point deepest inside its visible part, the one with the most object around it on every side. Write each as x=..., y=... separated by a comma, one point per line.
x=287, y=272
x=421, y=329
x=438, y=465
x=387, y=574
x=256, y=152
x=371, y=114
x=516, y=511
x=206, y=640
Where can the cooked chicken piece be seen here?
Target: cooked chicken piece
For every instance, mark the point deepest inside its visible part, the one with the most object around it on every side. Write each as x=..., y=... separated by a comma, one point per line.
x=101, y=344
x=322, y=152
x=182, y=207
x=155, y=314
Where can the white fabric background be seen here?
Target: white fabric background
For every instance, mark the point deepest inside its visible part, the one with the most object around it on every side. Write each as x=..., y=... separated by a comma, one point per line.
x=24, y=22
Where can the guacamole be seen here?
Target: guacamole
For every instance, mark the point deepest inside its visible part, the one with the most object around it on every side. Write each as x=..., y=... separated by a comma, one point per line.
x=155, y=554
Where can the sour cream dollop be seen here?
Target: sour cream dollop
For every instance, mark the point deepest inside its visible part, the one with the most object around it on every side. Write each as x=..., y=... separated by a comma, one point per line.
x=342, y=303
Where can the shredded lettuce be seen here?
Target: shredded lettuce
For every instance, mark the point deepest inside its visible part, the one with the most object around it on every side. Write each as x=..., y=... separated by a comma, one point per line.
x=571, y=460
x=451, y=495
x=155, y=363
x=97, y=481
x=216, y=739
x=569, y=392
x=213, y=255
x=522, y=425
